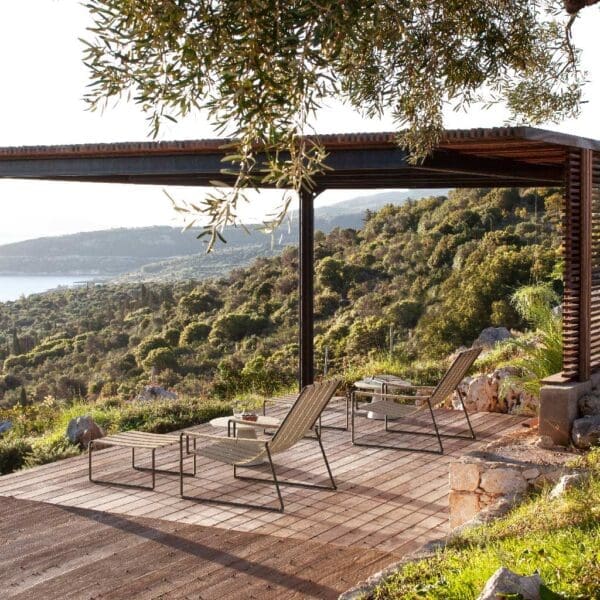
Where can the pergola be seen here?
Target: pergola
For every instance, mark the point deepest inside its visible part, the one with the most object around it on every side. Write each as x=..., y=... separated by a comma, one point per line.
x=498, y=157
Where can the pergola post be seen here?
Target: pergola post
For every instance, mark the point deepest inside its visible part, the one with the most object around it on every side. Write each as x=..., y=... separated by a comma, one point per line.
x=560, y=394
x=306, y=287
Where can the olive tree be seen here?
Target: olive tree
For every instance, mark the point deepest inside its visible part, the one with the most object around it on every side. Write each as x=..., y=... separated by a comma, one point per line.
x=262, y=68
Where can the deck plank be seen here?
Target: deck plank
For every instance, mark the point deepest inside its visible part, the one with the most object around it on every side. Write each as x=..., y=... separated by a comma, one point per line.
x=64, y=537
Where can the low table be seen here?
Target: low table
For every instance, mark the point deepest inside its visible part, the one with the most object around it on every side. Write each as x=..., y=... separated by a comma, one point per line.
x=381, y=384
x=241, y=428
x=133, y=440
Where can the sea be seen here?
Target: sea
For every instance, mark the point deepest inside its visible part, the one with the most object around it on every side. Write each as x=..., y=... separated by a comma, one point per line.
x=12, y=287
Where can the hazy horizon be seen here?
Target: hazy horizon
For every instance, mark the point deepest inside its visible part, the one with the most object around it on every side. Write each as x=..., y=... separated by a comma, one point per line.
x=42, y=105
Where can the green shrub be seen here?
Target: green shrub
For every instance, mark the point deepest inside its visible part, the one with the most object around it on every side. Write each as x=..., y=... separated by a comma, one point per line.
x=236, y=326
x=160, y=359
x=150, y=343
x=50, y=449
x=13, y=454
x=194, y=332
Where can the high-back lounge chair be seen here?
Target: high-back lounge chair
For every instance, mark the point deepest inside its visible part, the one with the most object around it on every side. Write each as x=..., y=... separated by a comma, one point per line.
x=398, y=405
x=240, y=452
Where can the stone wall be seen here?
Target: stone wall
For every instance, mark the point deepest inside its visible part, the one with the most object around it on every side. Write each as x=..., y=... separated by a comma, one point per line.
x=479, y=481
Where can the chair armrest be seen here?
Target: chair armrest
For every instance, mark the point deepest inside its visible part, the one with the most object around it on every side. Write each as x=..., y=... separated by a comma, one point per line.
x=383, y=396
x=244, y=422
x=223, y=438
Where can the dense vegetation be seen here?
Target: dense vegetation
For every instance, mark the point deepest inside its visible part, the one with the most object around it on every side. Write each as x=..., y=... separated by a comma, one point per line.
x=436, y=271
x=558, y=538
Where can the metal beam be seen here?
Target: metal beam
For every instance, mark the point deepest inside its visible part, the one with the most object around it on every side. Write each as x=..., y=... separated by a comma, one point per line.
x=306, y=287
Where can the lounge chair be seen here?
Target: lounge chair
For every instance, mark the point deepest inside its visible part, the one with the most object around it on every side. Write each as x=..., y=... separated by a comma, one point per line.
x=240, y=452
x=289, y=399
x=419, y=398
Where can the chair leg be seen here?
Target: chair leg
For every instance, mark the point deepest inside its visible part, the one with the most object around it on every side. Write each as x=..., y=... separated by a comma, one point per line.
x=437, y=431
x=333, y=484
x=115, y=483
x=462, y=403
x=227, y=502
x=90, y=450
x=388, y=430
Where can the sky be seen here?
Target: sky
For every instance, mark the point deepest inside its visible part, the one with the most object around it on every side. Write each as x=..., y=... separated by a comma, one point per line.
x=43, y=82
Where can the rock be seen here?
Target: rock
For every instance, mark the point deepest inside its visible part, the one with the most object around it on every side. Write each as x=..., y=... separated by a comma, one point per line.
x=155, y=392
x=495, y=393
x=82, y=430
x=544, y=441
x=504, y=481
x=566, y=482
x=464, y=476
x=504, y=581
x=532, y=473
x=463, y=507
x=5, y=426
x=586, y=431
x=490, y=336
x=589, y=405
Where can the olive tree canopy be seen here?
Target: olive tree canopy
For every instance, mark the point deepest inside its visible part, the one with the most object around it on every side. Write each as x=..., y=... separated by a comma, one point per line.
x=262, y=68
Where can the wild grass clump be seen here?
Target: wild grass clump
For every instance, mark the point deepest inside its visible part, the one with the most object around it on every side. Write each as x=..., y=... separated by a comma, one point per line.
x=419, y=372
x=559, y=538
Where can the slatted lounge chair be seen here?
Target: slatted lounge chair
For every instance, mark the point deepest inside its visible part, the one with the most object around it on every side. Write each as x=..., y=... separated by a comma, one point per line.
x=289, y=399
x=142, y=441
x=398, y=405
x=240, y=452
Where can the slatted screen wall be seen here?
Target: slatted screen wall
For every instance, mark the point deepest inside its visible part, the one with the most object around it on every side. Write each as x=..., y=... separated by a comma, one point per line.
x=595, y=275
x=581, y=242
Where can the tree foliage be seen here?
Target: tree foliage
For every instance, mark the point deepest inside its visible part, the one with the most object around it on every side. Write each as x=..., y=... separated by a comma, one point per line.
x=262, y=68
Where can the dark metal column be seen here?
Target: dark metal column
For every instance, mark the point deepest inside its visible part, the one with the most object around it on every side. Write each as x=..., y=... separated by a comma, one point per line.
x=306, y=287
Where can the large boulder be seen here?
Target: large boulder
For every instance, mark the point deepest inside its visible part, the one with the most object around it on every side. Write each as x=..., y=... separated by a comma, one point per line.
x=504, y=582
x=5, y=426
x=82, y=430
x=586, y=431
x=155, y=392
x=490, y=336
x=496, y=393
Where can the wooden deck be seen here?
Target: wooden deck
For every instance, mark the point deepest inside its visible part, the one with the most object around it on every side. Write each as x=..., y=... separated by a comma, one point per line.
x=107, y=541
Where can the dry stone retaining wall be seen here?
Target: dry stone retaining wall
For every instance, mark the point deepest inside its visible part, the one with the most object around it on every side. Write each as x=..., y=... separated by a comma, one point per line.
x=477, y=484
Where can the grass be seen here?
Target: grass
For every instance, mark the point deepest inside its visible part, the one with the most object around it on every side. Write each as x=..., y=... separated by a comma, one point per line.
x=558, y=538
x=38, y=434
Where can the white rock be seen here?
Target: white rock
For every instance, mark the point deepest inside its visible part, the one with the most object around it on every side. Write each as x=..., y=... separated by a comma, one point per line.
x=155, y=392
x=490, y=336
x=464, y=477
x=464, y=506
x=504, y=581
x=503, y=481
x=566, y=482
x=531, y=473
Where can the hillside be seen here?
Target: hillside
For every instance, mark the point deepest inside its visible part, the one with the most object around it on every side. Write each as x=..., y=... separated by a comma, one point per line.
x=167, y=254
x=436, y=271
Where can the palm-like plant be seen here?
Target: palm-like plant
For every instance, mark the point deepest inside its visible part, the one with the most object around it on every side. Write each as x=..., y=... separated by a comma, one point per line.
x=541, y=352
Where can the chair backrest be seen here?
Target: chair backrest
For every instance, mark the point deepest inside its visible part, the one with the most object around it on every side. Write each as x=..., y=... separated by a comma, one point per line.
x=454, y=375
x=303, y=414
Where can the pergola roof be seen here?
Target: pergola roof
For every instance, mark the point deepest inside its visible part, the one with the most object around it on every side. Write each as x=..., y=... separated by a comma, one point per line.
x=498, y=157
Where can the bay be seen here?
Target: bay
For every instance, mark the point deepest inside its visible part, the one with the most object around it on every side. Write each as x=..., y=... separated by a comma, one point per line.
x=12, y=287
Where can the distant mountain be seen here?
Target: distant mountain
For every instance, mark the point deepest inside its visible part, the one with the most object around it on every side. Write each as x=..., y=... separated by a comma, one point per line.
x=166, y=253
